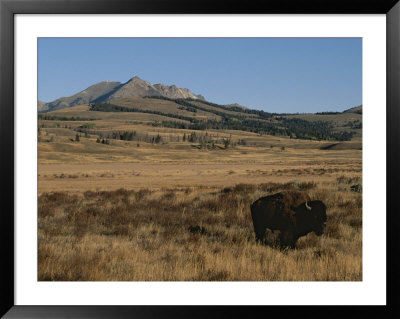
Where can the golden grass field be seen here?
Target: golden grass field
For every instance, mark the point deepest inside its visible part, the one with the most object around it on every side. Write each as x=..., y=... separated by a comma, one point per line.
x=140, y=211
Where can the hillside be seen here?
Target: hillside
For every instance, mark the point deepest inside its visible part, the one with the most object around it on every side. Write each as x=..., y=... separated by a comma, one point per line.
x=190, y=114
x=356, y=109
x=347, y=121
x=203, y=115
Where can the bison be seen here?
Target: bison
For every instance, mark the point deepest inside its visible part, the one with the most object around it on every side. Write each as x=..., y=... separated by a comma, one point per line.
x=292, y=213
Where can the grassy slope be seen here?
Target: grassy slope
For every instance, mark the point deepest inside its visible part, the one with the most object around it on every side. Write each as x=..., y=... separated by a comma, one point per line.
x=203, y=113
x=57, y=143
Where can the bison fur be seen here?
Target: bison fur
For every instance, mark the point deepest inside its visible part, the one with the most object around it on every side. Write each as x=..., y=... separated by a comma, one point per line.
x=292, y=213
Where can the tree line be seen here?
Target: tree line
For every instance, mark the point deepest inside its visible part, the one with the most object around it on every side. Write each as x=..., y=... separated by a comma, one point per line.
x=271, y=125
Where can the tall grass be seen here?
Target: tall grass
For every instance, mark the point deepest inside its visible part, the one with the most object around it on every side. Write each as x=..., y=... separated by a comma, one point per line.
x=190, y=234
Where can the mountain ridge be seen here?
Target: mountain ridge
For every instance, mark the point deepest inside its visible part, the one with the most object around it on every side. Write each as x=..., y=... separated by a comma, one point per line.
x=83, y=97
x=107, y=91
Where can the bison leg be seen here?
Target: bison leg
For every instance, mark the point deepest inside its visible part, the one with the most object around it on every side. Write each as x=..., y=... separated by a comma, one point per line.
x=260, y=233
x=287, y=239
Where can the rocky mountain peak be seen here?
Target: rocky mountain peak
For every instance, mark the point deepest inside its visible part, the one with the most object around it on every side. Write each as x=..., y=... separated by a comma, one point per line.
x=109, y=90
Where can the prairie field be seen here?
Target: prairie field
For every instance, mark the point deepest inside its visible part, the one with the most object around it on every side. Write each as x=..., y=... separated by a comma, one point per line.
x=160, y=207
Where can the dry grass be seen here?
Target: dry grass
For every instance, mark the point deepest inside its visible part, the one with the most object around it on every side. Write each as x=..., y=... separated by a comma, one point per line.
x=184, y=212
x=191, y=234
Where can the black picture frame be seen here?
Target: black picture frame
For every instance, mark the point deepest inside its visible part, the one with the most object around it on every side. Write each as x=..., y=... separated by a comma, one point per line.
x=8, y=8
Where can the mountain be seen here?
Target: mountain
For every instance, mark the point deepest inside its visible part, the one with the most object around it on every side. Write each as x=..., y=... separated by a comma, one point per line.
x=108, y=91
x=42, y=106
x=174, y=92
x=141, y=88
x=84, y=97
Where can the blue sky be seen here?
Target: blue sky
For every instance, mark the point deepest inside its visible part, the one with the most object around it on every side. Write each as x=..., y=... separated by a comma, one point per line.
x=282, y=75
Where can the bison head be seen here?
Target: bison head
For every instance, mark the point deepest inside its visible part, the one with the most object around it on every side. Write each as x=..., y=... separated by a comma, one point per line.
x=311, y=216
